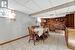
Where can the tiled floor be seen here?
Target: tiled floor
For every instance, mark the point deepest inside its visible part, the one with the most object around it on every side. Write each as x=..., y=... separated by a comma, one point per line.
x=56, y=41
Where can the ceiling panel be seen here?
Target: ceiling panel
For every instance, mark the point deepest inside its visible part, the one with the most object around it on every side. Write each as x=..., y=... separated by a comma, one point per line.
x=58, y=2
x=43, y=4
x=18, y=7
x=32, y=6
x=23, y=1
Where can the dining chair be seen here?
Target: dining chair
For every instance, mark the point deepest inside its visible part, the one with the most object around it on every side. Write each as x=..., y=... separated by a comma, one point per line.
x=33, y=35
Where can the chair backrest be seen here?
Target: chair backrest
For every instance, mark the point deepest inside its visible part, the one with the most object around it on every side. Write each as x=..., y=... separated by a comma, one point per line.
x=29, y=30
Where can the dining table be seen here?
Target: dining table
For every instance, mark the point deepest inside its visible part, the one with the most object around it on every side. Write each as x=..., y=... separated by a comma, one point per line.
x=39, y=31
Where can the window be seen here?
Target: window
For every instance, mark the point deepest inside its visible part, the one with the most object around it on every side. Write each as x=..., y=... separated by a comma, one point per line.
x=3, y=4
x=5, y=12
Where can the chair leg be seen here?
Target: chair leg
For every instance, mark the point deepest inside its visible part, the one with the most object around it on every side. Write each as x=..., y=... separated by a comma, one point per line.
x=43, y=39
x=34, y=39
x=34, y=42
x=29, y=40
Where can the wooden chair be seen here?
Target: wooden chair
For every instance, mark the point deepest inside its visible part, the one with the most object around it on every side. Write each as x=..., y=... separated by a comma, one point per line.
x=70, y=38
x=32, y=35
x=44, y=35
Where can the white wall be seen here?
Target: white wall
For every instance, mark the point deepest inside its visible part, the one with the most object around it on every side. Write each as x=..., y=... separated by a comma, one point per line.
x=15, y=29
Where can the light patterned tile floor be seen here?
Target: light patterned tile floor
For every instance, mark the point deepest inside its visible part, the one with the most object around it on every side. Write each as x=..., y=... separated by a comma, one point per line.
x=54, y=42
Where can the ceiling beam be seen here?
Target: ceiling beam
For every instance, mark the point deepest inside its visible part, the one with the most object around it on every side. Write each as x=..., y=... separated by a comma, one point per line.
x=54, y=8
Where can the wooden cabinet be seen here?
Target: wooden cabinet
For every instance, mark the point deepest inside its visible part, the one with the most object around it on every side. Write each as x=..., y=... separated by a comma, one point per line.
x=70, y=20
x=53, y=23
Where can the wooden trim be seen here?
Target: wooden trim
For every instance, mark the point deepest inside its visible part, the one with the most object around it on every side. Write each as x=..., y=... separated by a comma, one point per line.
x=14, y=40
